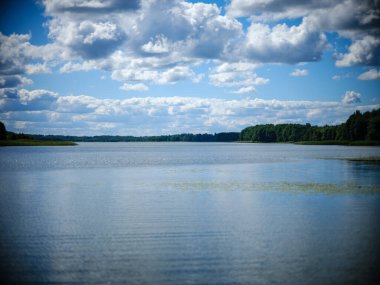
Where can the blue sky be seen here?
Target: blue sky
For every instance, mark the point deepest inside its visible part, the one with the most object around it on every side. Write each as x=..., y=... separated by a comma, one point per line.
x=164, y=67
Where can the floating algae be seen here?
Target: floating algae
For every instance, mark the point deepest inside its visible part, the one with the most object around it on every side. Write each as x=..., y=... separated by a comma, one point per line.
x=327, y=188
x=330, y=188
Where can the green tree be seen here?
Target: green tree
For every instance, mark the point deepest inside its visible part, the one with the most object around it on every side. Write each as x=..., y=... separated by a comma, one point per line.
x=373, y=130
x=3, y=132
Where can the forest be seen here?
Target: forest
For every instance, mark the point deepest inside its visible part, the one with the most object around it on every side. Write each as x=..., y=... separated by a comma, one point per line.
x=217, y=137
x=359, y=127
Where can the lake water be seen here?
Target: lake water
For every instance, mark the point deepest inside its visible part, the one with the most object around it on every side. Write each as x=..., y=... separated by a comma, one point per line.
x=189, y=213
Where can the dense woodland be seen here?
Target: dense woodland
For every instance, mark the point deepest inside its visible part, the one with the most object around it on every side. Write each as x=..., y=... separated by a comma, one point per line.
x=358, y=127
x=219, y=137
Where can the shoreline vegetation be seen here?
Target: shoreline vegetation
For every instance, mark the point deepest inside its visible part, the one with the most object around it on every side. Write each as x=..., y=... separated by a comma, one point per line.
x=32, y=142
x=359, y=130
x=345, y=143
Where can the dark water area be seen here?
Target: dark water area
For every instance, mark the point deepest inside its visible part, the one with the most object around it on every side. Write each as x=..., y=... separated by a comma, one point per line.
x=189, y=213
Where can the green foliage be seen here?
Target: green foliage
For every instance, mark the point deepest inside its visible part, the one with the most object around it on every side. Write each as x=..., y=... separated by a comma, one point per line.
x=218, y=137
x=29, y=142
x=359, y=127
x=3, y=132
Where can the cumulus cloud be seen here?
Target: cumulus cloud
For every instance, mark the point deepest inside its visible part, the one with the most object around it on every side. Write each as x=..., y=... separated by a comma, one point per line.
x=86, y=38
x=356, y=20
x=168, y=76
x=161, y=41
x=89, y=6
x=158, y=45
x=19, y=56
x=371, y=74
x=11, y=81
x=37, y=68
x=243, y=90
x=47, y=112
x=236, y=74
x=155, y=41
x=27, y=96
x=14, y=53
x=266, y=44
x=299, y=72
x=351, y=97
x=329, y=15
x=365, y=51
x=150, y=28
x=174, y=74
x=190, y=29
x=275, y=9
x=134, y=87
x=340, y=76
x=164, y=42
x=12, y=99
x=151, y=37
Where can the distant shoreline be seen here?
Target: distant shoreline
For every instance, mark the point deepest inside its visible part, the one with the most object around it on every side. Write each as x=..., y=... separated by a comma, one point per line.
x=36, y=143
x=359, y=130
x=31, y=142
x=344, y=143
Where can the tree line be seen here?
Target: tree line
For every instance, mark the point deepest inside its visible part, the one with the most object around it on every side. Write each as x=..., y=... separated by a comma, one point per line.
x=217, y=137
x=358, y=127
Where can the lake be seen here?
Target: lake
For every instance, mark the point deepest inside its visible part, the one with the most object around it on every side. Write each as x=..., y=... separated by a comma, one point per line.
x=189, y=213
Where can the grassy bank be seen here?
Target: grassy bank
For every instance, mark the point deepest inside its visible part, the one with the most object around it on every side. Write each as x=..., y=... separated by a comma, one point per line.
x=333, y=142
x=28, y=142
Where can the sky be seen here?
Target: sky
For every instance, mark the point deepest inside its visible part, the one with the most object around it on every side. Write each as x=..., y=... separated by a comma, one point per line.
x=149, y=67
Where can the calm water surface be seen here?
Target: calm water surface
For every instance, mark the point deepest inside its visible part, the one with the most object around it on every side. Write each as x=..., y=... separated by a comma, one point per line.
x=189, y=213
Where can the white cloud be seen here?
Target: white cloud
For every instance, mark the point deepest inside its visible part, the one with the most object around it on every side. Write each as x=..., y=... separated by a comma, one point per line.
x=351, y=97
x=365, y=51
x=157, y=41
x=174, y=74
x=274, y=9
x=235, y=67
x=12, y=81
x=22, y=100
x=89, y=6
x=179, y=28
x=47, y=112
x=345, y=17
x=353, y=19
x=21, y=124
x=299, y=72
x=243, y=90
x=19, y=56
x=86, y=65
x=164, y=42
x=13, y=53
x=159, y=45
x=340, y=76
x=266, y=44
x=134, y=87
x=195, y=30
x=371, y=74
x=235, y=74
x=168, y=76
x=86, y=38
x=27, y=96
x=37, y=68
